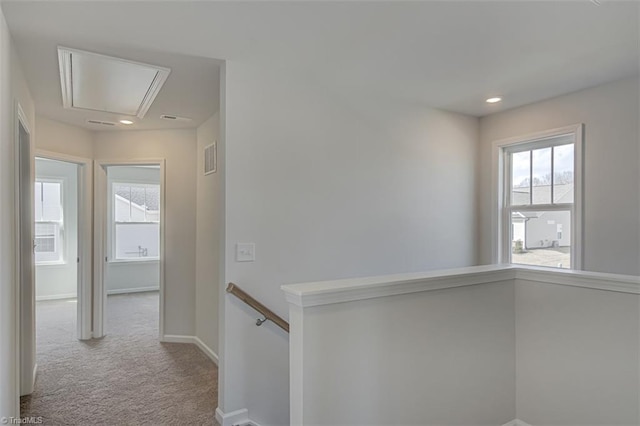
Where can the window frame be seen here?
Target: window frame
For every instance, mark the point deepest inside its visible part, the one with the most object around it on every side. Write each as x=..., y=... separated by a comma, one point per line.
x=61, y=240
x=501, y=222
x=112, y=258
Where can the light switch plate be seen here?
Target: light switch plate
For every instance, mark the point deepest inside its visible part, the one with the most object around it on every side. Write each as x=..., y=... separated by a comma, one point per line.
x=245, y=252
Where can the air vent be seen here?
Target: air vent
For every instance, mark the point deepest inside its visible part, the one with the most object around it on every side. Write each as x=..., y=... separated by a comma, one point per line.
x=174, y=118
x=210, y=159
x=101, y=123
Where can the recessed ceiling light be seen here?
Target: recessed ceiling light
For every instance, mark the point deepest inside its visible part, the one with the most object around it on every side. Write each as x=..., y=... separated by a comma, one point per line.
x=126, y=122
x=493, y=100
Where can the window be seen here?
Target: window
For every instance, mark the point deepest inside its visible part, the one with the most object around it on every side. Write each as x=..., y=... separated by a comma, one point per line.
x=49, y=226
x=136, y=221
x=540, y=199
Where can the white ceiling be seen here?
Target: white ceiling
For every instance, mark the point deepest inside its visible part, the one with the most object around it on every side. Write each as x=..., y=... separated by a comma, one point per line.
x=450, y=55
x=191, y=90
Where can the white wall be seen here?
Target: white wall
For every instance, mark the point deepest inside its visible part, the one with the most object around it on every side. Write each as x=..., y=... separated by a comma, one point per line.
x=61, y=280
x=12, y=87
x=578, y=355
x=610, y=113
x=441, y=357
x=178, y=147
x=63, y=138
x=209, y=243
x=329, y=183
x=124, y=276
x=472, y=346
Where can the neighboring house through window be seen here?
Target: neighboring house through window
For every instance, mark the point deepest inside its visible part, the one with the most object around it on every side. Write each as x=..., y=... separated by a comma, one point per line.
x=49, y=222
x=539, y=191
x=136, y=221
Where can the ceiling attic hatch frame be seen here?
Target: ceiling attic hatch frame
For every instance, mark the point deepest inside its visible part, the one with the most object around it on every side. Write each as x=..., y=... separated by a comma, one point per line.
x=95, y=82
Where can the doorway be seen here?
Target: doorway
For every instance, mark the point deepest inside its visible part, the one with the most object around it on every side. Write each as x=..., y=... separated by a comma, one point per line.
x=129, y=240
x=56, y=252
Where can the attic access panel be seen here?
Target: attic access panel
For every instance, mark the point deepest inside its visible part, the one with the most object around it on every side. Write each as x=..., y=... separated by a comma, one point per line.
x=103, y=83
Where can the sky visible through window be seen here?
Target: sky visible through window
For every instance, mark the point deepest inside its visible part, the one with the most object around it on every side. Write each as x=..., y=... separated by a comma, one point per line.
x=541, y=159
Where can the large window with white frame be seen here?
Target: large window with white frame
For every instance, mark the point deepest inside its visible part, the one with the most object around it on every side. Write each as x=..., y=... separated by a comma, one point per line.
x=49, y=222
x=135, y=224
x=540, y=199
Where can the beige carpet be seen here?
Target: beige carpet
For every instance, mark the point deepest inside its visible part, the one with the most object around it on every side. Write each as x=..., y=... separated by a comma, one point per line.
x=126, y=378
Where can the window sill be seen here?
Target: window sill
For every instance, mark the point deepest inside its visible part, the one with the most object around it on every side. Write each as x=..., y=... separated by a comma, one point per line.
x=59, y=263
x=130, y=261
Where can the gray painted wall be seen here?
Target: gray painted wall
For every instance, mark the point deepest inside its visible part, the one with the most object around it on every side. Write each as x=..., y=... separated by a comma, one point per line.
x=209, y=244
x=578, y=355
x=330, y=184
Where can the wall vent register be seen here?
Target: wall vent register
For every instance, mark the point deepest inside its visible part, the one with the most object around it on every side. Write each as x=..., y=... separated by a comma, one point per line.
x=210, y=159
x=101, y=123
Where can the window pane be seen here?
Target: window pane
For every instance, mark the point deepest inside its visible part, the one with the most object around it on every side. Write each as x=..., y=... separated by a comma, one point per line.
x=137, y=203
x=122, y=208
x=563, y=174
x=47, y=240
x=541, y=238
x=520, y=174
x=51, y=202
x=38, y=201
x=541, y=163
x=136, y=240
x=152, y=203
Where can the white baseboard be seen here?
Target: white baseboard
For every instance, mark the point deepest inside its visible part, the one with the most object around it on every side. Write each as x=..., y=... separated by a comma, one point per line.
x=206, y=349
x=177, y=338
x=35, y=374
x=234, y=418
x=56, y=297
x=132, y=290
x=516, y=422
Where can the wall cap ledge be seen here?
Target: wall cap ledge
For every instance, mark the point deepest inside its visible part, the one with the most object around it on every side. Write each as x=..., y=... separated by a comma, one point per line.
x=353, y=289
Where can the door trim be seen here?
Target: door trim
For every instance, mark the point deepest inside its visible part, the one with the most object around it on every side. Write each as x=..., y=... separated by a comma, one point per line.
x=85, y=220
x=25, y=300
x=99, y=238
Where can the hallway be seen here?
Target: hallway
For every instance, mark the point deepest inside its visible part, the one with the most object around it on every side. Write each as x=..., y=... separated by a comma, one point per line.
x=126, y=378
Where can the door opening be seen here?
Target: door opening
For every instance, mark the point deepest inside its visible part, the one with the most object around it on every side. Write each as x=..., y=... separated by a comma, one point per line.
x=57, y=254
x=131, y=276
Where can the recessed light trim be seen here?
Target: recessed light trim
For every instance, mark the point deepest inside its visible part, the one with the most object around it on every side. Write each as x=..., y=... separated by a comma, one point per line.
x=493, y=100
x=127, y=122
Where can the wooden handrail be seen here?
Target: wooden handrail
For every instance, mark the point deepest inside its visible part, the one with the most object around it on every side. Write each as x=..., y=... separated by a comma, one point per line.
x=268, y=313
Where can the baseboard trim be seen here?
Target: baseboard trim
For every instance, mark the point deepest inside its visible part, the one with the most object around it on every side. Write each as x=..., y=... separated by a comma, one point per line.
x=56, y=297
x=194, y=340
x=206, y=349
x=177, y=338
x=132, y=290
x=516, y=422
x=234, y=418
x=35, y=374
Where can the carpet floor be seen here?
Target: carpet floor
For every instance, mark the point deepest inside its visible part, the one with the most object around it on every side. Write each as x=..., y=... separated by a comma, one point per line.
x=126, y=378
